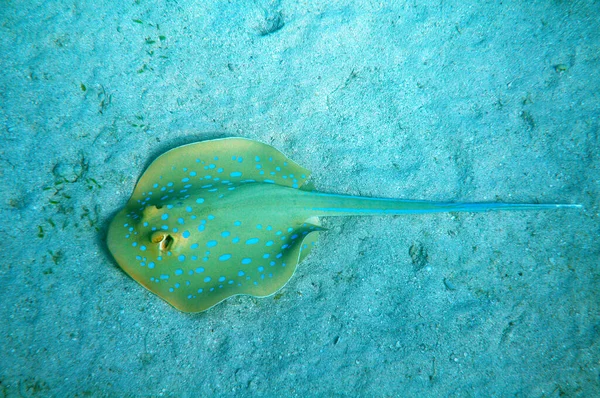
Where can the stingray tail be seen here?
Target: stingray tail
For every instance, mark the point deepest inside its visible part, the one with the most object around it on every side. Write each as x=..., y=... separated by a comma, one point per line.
x=323, y=204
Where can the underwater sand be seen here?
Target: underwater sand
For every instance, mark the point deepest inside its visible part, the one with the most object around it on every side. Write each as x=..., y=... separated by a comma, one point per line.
x=427, y=100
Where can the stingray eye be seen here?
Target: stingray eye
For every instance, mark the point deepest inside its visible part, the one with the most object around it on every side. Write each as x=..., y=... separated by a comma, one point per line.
x=164, y=240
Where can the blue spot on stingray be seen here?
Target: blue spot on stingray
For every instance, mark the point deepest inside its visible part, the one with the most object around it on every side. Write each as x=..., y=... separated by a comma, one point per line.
x=224, y=257
x=222, y=279
x=188, y=209
x=211, y=217
x=181, y=257
x=143, y=248
x=201, y=227
x=236, y=174
x=211, y=243
x=180, y=220
x=179, y=271
x=237, y=223
x=185, y=179
x=241, y=273
x=193, y=173
x=225, y=234
x=199, y=200
x=261, y=269
x=269, y=243
x=199, y=270
x=165, y=216
x=186, y=234
x=207, y=279
x=246, y=260
x=235, y=240
x=194, y=246
x=151, y=265
x=252, y=241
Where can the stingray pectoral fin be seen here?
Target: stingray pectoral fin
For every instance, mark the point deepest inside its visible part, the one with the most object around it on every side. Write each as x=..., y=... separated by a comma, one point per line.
x=308, y=244
x=287, y=260
x=235, y=160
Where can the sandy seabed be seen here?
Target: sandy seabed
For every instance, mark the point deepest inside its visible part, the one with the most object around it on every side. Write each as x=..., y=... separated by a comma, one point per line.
x=423, y=100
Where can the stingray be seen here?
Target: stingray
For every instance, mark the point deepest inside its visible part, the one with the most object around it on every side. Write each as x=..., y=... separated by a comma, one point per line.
x=219, y=218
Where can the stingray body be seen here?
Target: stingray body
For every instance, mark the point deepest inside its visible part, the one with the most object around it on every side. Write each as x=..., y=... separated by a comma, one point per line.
x=219, y=218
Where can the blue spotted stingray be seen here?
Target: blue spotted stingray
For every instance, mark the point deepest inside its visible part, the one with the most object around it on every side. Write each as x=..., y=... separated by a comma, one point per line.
x=219, y=218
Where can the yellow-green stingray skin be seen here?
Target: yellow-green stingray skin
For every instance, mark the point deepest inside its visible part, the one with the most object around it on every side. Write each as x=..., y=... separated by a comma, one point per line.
x=218, y=218
x=225, y=212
